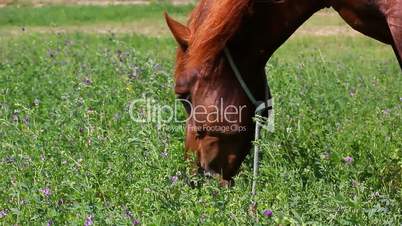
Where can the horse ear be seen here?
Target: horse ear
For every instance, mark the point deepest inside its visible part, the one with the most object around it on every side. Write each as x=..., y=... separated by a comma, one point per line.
x=180, y=32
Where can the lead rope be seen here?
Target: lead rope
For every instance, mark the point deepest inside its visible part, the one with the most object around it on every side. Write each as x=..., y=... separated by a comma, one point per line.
x=260, y=107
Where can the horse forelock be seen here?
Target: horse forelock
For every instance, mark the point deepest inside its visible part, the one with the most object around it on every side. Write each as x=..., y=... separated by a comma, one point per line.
x=212, y=24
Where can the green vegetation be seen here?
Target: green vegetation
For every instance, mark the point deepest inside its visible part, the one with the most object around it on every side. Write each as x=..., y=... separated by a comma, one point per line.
x=69, y=150
x=77, y=15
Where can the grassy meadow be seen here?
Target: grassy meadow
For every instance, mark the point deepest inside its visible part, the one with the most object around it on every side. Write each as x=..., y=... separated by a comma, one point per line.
x=71, y=155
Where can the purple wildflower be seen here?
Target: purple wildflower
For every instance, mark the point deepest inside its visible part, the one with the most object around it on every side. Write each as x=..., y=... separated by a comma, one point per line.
x=386, y=112
x=130, y=215
x=376, y=194
x=253, y=208
x=400, y=99
x=117, y=117
x=60, y=202
x=326, y=155
x=267, y=213
x=135, y=72
x=203, y=218
x=3, y=213
x=68, y=42
x=46, y=192
x=23, y=202
x=87, y=81
x=9, y=159
x=26, y=120
x=164, y=154
x=174, y=179
x=15, y=117
x=348, y=160
x=355, y=183
x=80, y=101
x=352, y=93
x=88, y=221
x=157, y=67
x=90, y=111
x=51, y=53
x=36, y=102
x=49, y=223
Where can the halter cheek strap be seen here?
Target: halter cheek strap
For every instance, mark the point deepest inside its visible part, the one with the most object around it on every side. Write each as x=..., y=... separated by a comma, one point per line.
x=260, y=106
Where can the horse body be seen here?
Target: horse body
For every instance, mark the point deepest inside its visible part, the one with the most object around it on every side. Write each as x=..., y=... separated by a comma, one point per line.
x=252, y=31
x=365, y=17
x=379, y=19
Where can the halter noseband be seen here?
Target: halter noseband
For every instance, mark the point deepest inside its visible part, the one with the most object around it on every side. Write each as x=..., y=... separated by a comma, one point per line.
x=260, y=106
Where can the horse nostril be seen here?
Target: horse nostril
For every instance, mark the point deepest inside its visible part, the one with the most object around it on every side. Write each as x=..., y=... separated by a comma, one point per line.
x=183, y=96
x=185, y=99
x=200, y=134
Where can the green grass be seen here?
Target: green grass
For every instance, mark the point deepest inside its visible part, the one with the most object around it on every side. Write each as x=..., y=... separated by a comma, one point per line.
x=59, y=15
x=64, y=125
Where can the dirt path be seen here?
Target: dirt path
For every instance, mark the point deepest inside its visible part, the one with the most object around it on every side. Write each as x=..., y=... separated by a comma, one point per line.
x=157, y=28
x=154, y=28
x=327, y=31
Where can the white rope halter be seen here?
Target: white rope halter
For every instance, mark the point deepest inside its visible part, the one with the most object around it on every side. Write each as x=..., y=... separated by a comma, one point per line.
x=260, y=106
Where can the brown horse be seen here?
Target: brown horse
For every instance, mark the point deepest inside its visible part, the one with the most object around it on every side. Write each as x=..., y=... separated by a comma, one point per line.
x=251, y=30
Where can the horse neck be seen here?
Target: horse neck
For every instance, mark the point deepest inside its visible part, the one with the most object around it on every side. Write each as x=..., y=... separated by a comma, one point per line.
x=265, y=31
x=278, y=22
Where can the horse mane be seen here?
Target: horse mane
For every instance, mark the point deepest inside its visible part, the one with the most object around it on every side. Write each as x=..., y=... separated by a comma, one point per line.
x=212, y=24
